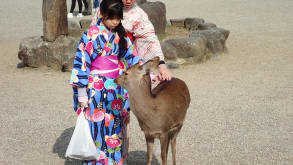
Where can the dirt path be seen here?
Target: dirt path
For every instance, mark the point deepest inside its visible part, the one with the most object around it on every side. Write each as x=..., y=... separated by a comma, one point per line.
x=242, y=102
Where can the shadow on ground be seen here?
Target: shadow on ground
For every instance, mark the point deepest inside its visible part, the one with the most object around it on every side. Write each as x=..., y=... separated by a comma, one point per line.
x=61, y=145
x=134, y=157
x=139, y=157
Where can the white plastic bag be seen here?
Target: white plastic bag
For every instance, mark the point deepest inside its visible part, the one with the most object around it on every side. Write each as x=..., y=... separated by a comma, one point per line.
x=81, y=145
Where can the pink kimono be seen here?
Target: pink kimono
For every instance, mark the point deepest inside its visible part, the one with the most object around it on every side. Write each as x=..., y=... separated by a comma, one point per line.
x=136, y=21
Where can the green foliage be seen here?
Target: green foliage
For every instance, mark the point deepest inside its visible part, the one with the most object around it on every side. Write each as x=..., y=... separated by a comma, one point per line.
x=110, y=150
x=117, y=149
x=98, y=144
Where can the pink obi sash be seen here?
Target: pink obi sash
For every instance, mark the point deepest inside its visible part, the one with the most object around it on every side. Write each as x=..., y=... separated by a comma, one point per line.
x=105, y=66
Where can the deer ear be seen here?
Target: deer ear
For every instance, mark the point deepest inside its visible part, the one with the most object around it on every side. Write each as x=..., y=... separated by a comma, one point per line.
x=151, y=65
x=156, y=61
x=145, y=68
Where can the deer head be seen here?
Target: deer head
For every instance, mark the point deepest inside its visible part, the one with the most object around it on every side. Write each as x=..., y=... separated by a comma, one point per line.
x=137, y=72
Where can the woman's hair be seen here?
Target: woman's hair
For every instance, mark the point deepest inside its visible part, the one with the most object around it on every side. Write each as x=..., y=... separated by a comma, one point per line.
x=112, y=9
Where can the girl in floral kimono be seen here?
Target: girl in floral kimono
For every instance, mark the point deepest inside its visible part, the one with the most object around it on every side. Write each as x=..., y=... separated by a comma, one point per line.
x=103, y=53
x=137, y=24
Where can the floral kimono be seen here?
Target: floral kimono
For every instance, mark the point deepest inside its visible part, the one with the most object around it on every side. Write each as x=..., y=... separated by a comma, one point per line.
x=95, y=67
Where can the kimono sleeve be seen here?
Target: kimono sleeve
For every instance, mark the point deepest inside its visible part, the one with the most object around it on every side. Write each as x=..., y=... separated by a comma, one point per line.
x=82, y=62
x=131, y=55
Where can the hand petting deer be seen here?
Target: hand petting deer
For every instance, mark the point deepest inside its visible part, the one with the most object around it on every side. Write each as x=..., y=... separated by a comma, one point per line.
x=161, y=111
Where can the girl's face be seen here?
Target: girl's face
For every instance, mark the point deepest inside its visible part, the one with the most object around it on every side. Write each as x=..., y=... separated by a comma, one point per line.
x=128, y=3
x=112, y=23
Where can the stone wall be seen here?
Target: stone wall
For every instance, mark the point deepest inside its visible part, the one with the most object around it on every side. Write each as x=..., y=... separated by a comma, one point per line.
x=205, y=41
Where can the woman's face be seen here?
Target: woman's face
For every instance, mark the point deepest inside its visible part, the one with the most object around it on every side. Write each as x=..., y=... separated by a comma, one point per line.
x=128, y=3
x=112, y=23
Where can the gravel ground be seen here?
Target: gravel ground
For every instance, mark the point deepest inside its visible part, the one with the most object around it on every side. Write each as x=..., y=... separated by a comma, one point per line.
x=242, y=102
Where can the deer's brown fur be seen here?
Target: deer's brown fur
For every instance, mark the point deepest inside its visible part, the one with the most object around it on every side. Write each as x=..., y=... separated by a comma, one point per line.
x=160, y=112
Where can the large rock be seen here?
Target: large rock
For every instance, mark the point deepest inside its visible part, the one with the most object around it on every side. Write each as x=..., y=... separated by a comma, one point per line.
x=54, y=19
x=191, y=48
x=199, y=46
x=76, y=27
x=156, y=12
x=192, y=23
x=179, y=22
x=141, y=1
x=188, y=23
x=205, y=26
x=85, y=23
x=59, y=55
x=216, y=38
x=169, y=50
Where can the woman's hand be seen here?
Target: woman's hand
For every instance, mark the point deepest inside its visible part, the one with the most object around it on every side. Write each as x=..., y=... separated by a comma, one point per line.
x=164, y=73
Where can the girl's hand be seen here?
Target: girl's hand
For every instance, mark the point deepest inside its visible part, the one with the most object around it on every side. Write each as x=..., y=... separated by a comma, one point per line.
x=83, y=101
x=164, y=73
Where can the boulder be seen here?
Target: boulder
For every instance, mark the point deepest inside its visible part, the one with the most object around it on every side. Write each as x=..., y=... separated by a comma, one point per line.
x=191, y=48
x=156, y=12
x=173, y=64
x=197, y=47
x=59, y=55
x=224, y=32
x=192, y=23
x=77, y=26
x=74, y=27
x=54, y=19
x=205, y=26
x=141, y=1
x=169, y=51
x=85, y=23
x=177, y=22
x=216, y=38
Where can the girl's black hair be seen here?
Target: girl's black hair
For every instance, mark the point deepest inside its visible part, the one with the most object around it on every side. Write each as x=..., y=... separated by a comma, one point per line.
x=111, y=9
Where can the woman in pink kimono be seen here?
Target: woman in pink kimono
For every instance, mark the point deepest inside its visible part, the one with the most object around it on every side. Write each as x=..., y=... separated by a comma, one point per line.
x=136, y=22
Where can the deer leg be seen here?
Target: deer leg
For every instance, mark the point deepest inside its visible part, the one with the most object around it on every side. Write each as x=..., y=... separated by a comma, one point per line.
x=164, y=140
x=125, y=132
x=173, y=148
x=173, y=137
x=150, y=143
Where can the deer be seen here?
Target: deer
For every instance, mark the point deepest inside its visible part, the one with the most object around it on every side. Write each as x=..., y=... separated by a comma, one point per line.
x=160, y=111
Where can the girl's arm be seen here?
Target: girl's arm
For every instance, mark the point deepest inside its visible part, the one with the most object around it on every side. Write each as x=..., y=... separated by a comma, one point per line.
x=80, y=71
x=82, y=63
